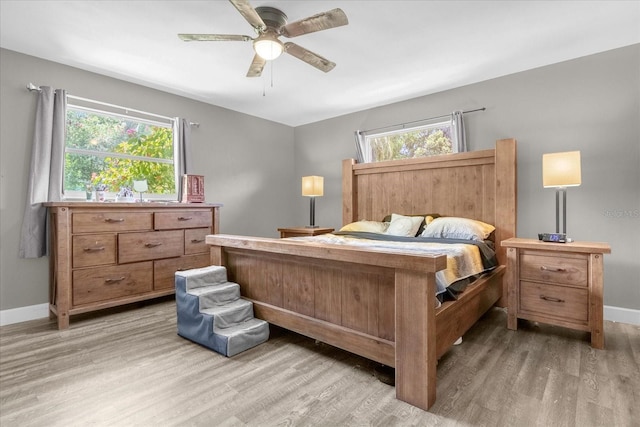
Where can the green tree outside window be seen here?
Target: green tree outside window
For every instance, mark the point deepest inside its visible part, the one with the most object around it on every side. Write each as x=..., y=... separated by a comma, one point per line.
x=113, y=151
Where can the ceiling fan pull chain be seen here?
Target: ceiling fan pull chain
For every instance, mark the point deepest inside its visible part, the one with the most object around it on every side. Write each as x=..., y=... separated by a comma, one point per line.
x=271, y=74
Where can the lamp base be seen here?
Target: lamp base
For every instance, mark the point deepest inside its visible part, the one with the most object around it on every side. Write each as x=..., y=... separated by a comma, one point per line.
x=311, y=226
x=312, y=213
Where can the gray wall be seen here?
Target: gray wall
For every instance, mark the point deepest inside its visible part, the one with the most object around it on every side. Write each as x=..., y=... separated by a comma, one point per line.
x=591, y=104
x=246, y=161
x=253, y=166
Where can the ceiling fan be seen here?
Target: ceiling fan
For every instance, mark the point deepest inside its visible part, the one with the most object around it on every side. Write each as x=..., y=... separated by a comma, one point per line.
x=271, y=23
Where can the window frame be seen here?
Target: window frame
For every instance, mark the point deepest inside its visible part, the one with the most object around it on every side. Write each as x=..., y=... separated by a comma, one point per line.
x=402, y=129
x=110, y=110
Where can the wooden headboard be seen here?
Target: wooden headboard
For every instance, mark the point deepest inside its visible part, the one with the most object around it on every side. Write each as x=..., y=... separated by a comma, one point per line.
x=478, y=185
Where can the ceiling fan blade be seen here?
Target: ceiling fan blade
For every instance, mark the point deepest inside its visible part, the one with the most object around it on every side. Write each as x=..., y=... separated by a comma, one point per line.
x=214, y=38
x=256, y=67
x=249, y=13
x=309, y=57
x=322, y=21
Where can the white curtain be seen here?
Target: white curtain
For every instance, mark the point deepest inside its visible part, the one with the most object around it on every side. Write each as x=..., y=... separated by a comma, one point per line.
x=185, y=162
x=362, y=154
x=46, y=173
x=459, y=134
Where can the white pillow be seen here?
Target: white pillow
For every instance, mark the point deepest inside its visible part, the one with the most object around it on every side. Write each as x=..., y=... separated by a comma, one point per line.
x=367, y=226
x=451, y=227
x=406, y=226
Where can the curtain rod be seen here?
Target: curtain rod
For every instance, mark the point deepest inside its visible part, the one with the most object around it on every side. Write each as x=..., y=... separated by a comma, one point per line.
x=421, y=120
x=31, y=87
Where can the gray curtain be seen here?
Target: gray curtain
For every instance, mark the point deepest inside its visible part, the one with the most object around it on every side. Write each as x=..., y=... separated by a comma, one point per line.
x=362, y=155
x=459, y=134
x=185, y=162
x=46, y=173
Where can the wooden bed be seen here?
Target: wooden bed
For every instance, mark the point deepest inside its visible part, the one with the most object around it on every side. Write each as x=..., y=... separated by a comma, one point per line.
x=375, y=304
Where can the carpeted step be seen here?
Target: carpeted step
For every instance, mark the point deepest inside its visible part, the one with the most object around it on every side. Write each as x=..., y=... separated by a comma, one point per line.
x=244, y=336
x=205, y=276
x=232, y=313
x=215, y=295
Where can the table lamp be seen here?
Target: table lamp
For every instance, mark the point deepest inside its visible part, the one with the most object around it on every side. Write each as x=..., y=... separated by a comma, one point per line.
x=559, y=171
x=140, y=186
x=312, y=187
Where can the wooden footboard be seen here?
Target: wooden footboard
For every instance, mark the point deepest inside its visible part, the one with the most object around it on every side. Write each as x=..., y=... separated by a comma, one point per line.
x=374, y=304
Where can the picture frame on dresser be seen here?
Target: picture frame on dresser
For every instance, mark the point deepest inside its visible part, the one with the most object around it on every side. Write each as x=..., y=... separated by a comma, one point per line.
x=192, y=188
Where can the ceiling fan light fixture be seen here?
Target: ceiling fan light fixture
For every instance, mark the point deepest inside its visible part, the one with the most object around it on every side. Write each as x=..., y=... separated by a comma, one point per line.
x=268, y=47
x=270, y=24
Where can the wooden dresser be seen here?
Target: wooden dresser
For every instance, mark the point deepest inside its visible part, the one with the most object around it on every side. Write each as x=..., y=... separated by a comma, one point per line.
x=109, y=254
x=557, y=283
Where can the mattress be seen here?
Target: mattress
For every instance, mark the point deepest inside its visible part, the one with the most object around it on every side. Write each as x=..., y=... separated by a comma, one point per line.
x=466, y=259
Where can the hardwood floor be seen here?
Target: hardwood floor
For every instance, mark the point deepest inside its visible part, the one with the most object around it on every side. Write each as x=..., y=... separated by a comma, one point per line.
x=128, y=367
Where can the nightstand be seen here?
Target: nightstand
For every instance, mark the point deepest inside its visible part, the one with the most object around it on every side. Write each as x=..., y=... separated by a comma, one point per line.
x=556, y=283
x=302, y=231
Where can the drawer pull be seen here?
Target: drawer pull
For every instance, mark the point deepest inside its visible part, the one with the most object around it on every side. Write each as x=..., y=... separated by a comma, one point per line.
x=555, y=269
x=197, y=240
x=551, y=299
x=153, y=244
x=114, y=220
x=96, y=249
x=185, y=218
x=119, y=279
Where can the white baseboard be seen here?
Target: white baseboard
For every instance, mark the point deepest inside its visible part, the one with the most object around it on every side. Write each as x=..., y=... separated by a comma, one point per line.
x=23, y=314
x=32, y=312
x=622, y=315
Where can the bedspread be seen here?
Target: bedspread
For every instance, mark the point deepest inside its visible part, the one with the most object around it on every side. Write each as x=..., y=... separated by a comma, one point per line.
x=464, y=260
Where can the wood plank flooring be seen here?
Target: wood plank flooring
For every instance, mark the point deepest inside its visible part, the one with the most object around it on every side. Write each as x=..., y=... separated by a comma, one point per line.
x=128, y=367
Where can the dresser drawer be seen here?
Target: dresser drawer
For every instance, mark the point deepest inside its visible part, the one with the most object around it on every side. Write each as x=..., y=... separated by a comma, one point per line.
x=94, y=249
x=164, y=271
x=558, y=269
x=106, y=283
x=182, y=219
x=194, y=240
x=150, y=245
x=556, y=301
x=112, y=221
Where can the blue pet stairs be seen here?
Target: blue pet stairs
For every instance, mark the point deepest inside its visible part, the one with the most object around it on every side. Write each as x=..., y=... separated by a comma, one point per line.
x=212, y=313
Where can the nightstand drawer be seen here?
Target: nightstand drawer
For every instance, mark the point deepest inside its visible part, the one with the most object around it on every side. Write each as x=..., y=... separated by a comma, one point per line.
x=557, y=301
x=303, y=231
x=558, y=269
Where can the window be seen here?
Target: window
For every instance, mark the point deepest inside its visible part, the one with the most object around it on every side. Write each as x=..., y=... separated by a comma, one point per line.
x=108, y=149
x=407, y=143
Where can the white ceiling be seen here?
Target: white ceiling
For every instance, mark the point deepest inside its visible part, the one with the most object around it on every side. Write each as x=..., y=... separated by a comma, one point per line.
x=390, y=51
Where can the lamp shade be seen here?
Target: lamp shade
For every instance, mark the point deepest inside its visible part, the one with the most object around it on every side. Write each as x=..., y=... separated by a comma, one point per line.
x=561, y=169
x=140, y=186
x=312, y=186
